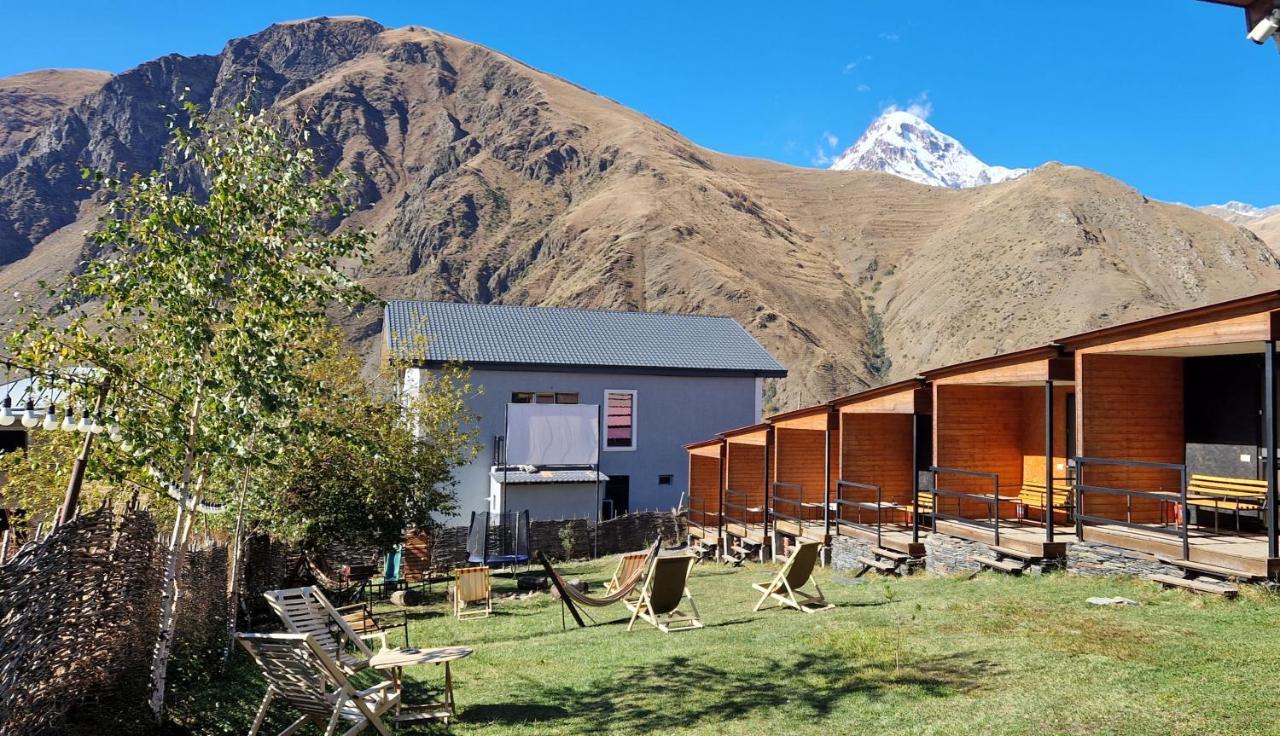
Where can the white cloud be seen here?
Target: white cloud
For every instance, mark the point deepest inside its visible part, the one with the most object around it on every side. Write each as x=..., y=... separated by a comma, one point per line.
x=830, y=139
x=891, y=36
x=848, y=68
x=920, y=106
x=821, y=157
x=863, y=88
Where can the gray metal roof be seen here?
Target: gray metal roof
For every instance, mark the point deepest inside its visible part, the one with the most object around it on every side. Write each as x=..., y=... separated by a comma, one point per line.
x=521, y=477
x=427, y=333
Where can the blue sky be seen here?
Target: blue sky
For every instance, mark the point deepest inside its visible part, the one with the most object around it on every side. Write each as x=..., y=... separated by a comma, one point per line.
x=1166, y=95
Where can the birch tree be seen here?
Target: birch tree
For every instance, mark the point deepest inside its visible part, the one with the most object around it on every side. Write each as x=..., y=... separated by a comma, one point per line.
x=204, y=284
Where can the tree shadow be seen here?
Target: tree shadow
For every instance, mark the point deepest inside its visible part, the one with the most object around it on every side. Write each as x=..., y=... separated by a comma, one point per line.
x=678, y=692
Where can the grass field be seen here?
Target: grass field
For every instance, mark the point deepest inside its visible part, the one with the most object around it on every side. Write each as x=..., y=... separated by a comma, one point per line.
x=922, y=655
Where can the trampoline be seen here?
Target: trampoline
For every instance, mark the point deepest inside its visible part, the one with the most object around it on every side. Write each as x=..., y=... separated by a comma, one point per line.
x=498, y=540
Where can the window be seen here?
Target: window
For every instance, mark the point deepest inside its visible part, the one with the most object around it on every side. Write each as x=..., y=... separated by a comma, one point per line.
x=529, y=397
x=620, y=420
x=665, y=480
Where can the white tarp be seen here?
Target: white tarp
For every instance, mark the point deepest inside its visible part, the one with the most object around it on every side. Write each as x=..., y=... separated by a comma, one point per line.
x=553, y=434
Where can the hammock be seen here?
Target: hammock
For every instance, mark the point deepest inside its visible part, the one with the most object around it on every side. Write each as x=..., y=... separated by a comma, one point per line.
x=569, y=594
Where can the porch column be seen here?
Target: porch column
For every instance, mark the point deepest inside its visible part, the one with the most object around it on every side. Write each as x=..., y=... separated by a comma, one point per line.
x=915, y=478
x=1269, y=440
x=1048, y=461
x=826, y=480
x=768, y=500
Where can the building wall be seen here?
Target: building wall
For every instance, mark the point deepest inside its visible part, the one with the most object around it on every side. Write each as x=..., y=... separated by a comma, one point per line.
x=671, y=411
x=551, y=501
x=978, y=428
x=744, y=471
x=878, y=450
x=798, y=458
x=1130, y=408
x=704, y=485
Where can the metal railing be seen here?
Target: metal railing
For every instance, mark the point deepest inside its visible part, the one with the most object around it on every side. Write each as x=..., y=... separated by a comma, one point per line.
x=992, y=500
x=796, y=506
x=737, y=506
x=842, y=503
x=1161, y=498
x=706, y=515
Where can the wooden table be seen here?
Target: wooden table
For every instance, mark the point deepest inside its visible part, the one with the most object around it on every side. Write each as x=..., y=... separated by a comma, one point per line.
x=393, y=661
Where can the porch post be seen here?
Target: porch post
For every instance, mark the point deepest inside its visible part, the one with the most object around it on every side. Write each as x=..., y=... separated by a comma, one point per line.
x=826, y=480
x=1048, y=460
x=1269, y=439
x=915, y=478
x=768, y=498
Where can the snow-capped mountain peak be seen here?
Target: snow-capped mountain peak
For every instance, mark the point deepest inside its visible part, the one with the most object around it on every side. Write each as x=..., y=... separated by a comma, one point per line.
x=903, y=144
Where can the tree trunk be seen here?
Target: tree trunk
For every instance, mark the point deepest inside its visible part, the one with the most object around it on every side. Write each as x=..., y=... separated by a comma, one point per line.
x=237, y=555
x=173, y=567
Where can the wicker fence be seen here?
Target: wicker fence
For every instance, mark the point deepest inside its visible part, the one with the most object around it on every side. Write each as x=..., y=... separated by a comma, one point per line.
x=78, y=612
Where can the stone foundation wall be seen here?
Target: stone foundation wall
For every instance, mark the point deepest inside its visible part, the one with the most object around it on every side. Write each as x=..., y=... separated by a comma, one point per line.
x=845, y=552
x=1095, y=558
x=946, y=555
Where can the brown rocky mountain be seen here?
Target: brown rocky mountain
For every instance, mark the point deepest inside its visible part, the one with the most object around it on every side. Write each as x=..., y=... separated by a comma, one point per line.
x=491, y=181
x=29, y=101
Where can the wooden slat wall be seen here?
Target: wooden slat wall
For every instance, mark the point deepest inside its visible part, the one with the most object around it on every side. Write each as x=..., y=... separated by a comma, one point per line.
x=744, y=471
x=704, y=483
x=833, y=459
x=798, y=454
x=1130, y=408
x=978, y=428
x=1033, y=433
x=877, y=448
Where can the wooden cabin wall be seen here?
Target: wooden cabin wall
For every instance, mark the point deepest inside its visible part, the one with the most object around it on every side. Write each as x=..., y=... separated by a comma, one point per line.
x=704, y=483
x=833, y=460
x=1130, y=408
x=1033, y=433
x=978, y=428
x=877, y=449
x=799, y=458
x=744, y=472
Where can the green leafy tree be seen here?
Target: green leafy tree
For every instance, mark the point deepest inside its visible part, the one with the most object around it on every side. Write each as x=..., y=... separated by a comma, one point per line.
x=208, y=279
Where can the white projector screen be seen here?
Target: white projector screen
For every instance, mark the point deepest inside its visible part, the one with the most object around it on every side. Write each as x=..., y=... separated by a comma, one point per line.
x=553, y=434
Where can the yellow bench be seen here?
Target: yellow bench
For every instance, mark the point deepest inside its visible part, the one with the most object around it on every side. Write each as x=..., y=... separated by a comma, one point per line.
x=1226, y=493
x=1033, y=495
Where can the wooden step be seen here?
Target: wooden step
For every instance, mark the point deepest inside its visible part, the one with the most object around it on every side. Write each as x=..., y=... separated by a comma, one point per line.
x=1225, y=573
x=1012, y=568
x=1199, y=586
x=746, y=551
x=889, y=554
x=881, y=565
x=1015, y=553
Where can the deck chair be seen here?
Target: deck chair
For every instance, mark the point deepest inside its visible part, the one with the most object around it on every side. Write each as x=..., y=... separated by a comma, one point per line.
x=307, y=611
x=665, y=586
x=796, y=572
x=627, y=567
x=300, y=672
x=471, y=585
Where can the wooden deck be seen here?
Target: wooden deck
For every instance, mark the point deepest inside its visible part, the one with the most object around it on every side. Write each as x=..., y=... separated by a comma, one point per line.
x=1246, y=553
x=750, y=532
x=893, y=537
x=811, y=531
x=703, y=532
x=1020, y=536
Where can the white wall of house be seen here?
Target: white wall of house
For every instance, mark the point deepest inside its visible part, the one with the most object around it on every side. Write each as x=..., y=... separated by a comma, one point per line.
x=670, y=412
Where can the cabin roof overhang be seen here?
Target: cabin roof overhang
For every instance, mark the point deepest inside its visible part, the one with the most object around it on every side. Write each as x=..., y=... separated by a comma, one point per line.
x=911, y=396
x=1023, y=367
x=1234, y=326
x=756, y=434
x=820, y=417
x=706, y=448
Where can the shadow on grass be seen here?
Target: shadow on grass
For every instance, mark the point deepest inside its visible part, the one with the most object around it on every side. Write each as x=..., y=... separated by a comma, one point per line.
x=681, y=693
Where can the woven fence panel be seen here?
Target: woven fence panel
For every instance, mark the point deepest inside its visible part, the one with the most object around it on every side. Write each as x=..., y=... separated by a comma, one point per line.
x=76, y=612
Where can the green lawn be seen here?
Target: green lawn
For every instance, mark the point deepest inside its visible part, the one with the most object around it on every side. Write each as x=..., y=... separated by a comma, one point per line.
x=992, y=655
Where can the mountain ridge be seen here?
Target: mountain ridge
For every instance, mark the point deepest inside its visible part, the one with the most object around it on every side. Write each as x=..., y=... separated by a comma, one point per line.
x=491, y=181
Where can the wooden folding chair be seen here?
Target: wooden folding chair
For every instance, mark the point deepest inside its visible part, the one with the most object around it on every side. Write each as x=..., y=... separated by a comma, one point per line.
x=300, y=672
x=795, y=574
x=471, y=585
x=665, y=587
x=626, y=570
x=307, y=611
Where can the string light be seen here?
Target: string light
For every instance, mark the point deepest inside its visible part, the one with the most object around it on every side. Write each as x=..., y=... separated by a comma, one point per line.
x=30, y=417
x=51, y=418
x=68, y=420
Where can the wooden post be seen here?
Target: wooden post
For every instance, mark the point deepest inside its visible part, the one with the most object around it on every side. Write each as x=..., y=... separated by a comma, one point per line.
x=1269, y=439
x=72, y=499
x=1048, y=461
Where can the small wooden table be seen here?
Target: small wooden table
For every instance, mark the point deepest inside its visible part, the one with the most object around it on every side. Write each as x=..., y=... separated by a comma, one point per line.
x=393, y=661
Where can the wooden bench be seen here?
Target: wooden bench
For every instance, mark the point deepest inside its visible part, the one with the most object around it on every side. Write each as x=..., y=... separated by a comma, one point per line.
x=1226, y=494
x=1032, y=495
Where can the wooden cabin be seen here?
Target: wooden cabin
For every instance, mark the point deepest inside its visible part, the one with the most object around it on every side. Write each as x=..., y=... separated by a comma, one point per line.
x=706, y=486
x=1175, y=423
x=805, y=461
x=744, y=510
x=1001, y=441
x=884, y=442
